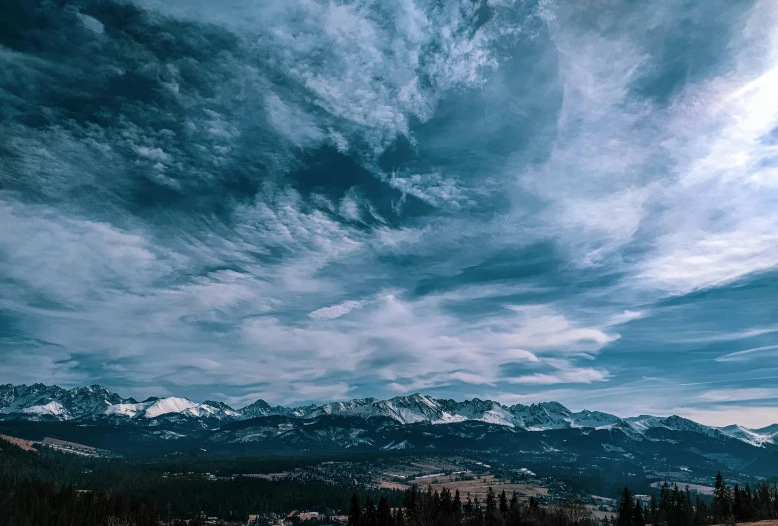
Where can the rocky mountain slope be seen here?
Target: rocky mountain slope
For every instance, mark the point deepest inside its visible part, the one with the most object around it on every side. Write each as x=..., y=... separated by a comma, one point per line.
x=96, y=404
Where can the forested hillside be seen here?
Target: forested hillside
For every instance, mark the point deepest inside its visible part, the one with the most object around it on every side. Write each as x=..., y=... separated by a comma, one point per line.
x=48, y=487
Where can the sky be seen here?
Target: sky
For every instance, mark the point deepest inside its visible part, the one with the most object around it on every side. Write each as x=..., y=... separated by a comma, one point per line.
x=310, y=200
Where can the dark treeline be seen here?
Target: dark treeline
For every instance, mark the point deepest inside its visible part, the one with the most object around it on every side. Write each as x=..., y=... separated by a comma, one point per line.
x=37, y=503
x=672, y=507
x=236, y=499
x=675, y=507
x=432, y=508
x=49, y=487
x=34, y=490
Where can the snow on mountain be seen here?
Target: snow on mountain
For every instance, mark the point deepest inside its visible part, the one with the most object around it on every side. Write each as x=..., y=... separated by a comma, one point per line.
x=771, y=430
x=405, y=409
x=83, y=401
x=218, y=410
x=128, y=410
x=751, y=436
x=262, y=408
x=39, y=401
x=644, y=422
x=595, y=419
x=75, y=403
x=542, y=416
x=257, y=409
x=678, y=423
x=50, y=409
x=14, y=399
x=421, y=408
x=340, y=408
x=168, y=405
x=481, y=410
x=156, y=407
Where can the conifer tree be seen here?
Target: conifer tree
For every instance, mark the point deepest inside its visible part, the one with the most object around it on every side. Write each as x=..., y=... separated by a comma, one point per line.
x=639, y=518
x=700, y=512
x=355, y=513
x=514, y=504
x=369, y=513
x=737, y=503
x=456, y=505
x=478, y=514
x=721, y=501
x=652, y=511
x=748, y=503
x=384, y=513
x=626, y=509
x=491, y=501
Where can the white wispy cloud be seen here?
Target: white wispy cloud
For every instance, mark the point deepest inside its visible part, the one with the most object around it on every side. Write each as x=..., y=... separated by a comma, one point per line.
x=571, y=376
x=336, y=311
x=166, y=240
x=738, y=395
x=747, y=354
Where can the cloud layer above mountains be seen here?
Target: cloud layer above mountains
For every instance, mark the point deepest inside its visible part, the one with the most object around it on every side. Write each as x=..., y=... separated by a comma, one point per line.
x=310, y=200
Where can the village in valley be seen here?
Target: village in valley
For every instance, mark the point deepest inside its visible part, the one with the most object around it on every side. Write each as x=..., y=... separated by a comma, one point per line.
x=471, y=478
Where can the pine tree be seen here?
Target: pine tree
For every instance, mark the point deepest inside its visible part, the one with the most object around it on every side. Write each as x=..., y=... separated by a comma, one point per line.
x=626, y=509
x=514, y=513
x=491, y=501
x=355, y=513
x=410, y=500
x=652, y=513
x=384, y=513
x=468, y=507
x=514, y=504
x=665, y=504
x=369, y=513
x=478, y=514
x=688, y=509
x=456, y=505
x=700, y=512
x=748, y=504
x=721, y=500
x=737, y=503
x=639, y=518
x=503, y=503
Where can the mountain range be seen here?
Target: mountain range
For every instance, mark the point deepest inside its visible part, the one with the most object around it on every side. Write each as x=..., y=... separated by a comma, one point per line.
x=543, y=437
x=96, y=404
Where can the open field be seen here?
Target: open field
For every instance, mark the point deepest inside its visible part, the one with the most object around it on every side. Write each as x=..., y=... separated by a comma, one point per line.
x=699, y=488
x=478, y=488
x=59, y=445
x=454, y=473
x=267, y=476
x=28, y=445
x=71, y=447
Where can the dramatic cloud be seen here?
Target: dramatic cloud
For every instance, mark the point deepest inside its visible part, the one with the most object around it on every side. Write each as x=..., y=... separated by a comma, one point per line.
x=311, y=200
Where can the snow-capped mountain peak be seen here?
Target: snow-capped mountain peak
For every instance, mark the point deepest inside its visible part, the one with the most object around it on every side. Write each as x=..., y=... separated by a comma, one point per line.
x=755, y=437
x=169, y=405
x=41, y=402
x=52, y=408
x=340, y=408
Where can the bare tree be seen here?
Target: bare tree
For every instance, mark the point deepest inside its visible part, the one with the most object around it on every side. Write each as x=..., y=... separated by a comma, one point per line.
x=576, y=511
